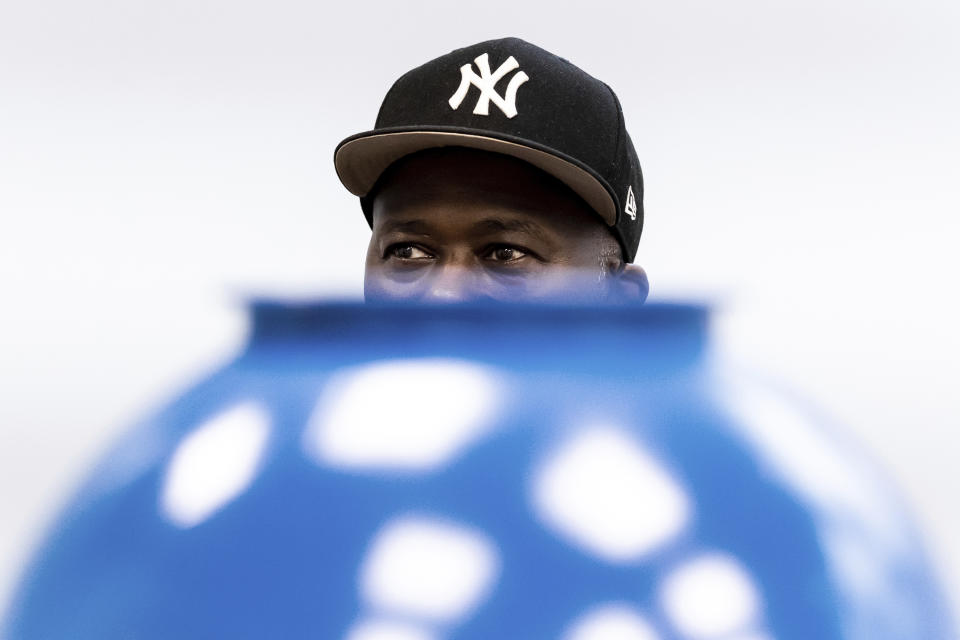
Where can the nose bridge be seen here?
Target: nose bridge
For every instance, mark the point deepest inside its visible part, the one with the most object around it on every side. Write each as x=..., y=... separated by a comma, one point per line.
x=451, y=281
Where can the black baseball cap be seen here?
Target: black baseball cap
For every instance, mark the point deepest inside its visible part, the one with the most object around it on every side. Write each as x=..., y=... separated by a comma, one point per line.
x=511, y=97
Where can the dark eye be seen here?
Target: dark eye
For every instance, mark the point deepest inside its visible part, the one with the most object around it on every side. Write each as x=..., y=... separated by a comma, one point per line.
x=506, y=253
x=406, y=252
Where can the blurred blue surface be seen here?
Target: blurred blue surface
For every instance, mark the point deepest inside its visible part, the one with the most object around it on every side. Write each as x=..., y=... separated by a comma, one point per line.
x=399, y=472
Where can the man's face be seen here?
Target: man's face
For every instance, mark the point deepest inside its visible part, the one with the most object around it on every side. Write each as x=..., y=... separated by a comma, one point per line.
x=455, y=224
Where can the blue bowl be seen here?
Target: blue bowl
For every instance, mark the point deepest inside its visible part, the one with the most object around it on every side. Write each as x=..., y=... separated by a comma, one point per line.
x=395, y=472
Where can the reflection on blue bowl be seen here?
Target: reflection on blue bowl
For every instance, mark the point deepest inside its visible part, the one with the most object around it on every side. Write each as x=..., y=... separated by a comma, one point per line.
x=519, y=472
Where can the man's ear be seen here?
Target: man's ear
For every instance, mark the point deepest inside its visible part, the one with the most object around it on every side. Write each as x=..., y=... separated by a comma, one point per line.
x=632, y=283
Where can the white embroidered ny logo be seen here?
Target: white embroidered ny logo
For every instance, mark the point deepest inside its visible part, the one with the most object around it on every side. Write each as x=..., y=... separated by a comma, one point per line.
x=487, y=83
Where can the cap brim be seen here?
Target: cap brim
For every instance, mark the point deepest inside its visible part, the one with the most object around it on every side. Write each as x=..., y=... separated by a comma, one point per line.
x=361, y=160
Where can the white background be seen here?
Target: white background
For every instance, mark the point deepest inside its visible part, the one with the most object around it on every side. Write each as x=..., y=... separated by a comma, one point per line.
x=161, y=160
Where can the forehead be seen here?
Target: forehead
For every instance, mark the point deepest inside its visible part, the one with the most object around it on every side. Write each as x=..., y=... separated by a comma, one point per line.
x=465, y=187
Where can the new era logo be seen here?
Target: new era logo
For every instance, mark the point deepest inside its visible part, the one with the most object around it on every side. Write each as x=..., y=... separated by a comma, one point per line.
x=486, y=82
x=631, y=208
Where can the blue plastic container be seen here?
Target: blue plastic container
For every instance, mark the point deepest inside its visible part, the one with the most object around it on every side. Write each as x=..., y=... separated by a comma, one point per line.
x=520, y=472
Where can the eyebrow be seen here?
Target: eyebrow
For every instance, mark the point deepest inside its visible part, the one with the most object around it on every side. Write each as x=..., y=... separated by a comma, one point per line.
x=494, y=225
x=410, y=226
x=486, y=226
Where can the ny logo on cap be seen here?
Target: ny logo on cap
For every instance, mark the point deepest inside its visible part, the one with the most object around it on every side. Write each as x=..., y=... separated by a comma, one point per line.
x=487, y=83
x=631, y=208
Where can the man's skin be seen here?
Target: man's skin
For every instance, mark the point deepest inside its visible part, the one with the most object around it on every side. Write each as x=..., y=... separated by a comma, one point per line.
x=457, y=224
